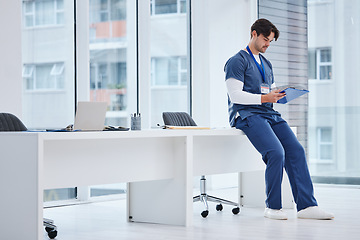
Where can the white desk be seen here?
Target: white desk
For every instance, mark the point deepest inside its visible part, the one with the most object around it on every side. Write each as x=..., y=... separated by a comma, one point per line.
x=159, y=166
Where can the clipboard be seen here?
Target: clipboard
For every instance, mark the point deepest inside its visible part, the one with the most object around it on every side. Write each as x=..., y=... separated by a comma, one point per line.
x=291, y=94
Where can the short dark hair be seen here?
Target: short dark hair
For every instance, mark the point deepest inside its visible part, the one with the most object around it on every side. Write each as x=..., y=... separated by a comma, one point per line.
x=265, y=27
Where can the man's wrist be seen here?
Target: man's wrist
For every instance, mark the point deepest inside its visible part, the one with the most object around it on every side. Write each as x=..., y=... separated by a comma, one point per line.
x=264, y=98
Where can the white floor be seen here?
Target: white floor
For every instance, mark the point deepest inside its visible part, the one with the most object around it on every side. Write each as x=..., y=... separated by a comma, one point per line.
x=106, y=221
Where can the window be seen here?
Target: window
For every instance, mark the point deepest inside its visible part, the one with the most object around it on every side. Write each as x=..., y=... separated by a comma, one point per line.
x=334, y=109
x=43, y=12
x=48, y=99
x=44, y=76
x=110, y=82
x=107, y=20
x=325, y=144
x=170, y=71
x=320, y=64
x=169, y=59
x=167, y=6
x=107, y=10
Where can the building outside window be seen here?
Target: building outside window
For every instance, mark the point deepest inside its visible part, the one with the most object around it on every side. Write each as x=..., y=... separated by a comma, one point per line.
x=43, y=13
x=49, y=65
x=334, y=108
x=108, y=42
x=325, y=145
x=48, y=70
x=158, y=7
x=169, y=59
x=170, y=71
x=320, y=64
x=109, y=56
x=108, y=10
x=44, y=76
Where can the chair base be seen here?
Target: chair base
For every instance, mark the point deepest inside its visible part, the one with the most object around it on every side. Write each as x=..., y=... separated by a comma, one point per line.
x=50, y=228
x=204, y=198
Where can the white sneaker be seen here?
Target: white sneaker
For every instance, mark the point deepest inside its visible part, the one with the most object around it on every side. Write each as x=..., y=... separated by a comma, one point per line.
x=314, y=212
x=275, y=214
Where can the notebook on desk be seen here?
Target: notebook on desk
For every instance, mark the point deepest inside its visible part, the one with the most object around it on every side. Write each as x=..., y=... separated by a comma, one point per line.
x=90, y=116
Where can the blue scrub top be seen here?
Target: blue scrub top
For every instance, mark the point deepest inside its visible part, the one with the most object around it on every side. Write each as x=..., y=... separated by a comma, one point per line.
x=242, y=67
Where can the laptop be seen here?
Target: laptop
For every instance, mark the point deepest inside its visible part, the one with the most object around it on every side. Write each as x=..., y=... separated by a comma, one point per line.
x=90, y=116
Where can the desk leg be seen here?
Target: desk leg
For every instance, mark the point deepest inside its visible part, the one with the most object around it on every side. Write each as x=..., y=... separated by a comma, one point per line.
x=21, y=197
x=252, y=190
x=166, y=201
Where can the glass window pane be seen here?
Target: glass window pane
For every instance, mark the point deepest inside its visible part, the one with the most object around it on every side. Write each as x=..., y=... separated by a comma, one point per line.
x=59, y=194
x=60, y=18
x=183, y=78
x=312, y=64
x=325, y=72
x=168, y=49
x=165, y=6
x=104, y=17
x=43, y=78
x=44, y=12
x=29, y=21
x=183, y=63
x=103, y=4
x=108, y=189
x=109, y=75
x=42, y=49
x=325, y=55
x=161, y=74
x=334, y=105
x=166, y=71
x=182, y=6
x=57, y=69
x=59, y=4
x=325, y=135
x=29, y=83
x=326, y=152
x=59, y=82
x=28, y=71
x=118, y=9
x=28, y=6
x=173, y=71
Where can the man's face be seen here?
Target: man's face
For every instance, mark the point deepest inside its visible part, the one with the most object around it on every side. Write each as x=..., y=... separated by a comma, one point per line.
x=262, y=42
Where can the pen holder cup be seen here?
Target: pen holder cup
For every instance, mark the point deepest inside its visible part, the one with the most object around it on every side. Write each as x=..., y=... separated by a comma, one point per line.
x=135, y=123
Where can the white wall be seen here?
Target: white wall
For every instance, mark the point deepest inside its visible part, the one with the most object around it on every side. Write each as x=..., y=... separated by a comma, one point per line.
x=10, y=58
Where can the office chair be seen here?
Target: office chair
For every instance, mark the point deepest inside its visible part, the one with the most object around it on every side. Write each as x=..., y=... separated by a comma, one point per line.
x=9, y=122
x=184, y=119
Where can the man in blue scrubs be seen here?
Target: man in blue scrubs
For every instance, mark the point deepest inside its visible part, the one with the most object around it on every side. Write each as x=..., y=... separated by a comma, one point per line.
x=250, y=80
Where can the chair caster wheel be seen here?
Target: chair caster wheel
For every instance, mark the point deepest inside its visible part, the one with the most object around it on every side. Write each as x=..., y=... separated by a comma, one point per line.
x=205, y=213
x=219, y=207
x=52, y=234
x=236, y=210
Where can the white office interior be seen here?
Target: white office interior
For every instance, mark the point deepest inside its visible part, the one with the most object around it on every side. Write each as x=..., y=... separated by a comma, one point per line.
x=151, y=56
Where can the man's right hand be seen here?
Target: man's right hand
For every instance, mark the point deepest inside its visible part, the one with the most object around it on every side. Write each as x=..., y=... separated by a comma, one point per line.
x=272, y=96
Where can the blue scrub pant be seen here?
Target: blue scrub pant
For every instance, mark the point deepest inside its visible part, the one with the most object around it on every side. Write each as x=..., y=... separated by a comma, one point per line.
x=279, y=147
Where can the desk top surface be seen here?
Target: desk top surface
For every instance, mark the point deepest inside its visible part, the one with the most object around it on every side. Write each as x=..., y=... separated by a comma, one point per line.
x=127, y=134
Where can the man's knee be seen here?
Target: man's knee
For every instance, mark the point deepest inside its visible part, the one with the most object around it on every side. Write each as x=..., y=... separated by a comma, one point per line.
x=275, y=157
x=297, y=150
